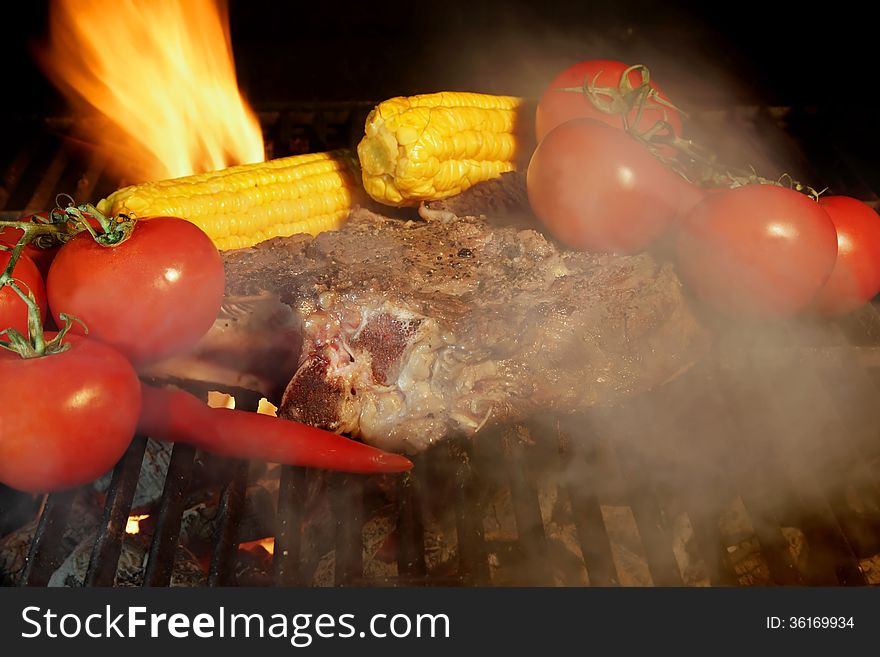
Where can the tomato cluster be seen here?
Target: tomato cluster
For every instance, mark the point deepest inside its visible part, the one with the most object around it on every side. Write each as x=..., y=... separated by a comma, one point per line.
x=562, y=101
x=598, y=182
x=151, y=295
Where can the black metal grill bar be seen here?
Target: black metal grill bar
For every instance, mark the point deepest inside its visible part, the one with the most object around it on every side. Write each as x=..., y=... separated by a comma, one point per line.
x=160, y=563
x=711, y=545
x=868, y=391
x=823, y=499
x=801, y=506
x=593, y=537
x=771, y=540
x=346, y=500
x=837, y=457
x=651, y=521
x=752, y=486
x=467, y=502
x=289, y=520
x=527, y=511
x=832, y=559
x=225, y=539
x=45, y=554
x=592, y=534
x=410, y=527
x=111, y=531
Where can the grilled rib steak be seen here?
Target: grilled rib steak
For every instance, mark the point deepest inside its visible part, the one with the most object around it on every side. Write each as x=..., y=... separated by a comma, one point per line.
x=413, y=330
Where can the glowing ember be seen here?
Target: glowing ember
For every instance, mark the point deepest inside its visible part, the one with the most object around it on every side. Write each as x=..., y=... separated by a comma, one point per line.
x=265, y=407
x=268, y=544
x=133, y=526
x=223, y=400
x=220, y=400
x=162, y=73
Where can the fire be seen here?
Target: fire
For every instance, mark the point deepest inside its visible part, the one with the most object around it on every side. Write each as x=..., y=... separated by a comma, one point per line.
x=161, y=74
x=133, y=526
x=265, y=407
x=220, y=399
x=268, y=544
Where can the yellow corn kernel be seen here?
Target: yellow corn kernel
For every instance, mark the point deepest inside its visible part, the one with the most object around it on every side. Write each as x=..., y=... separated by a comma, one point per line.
x=428, y=147
x=244, y=205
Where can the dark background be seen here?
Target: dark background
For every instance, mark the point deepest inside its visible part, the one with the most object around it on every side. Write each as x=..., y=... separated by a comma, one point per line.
x=717, y=54
x=707, y=53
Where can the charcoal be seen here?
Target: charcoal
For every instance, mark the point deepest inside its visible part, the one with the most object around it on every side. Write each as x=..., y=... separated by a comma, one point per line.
x=187, y=571
x=85, y=513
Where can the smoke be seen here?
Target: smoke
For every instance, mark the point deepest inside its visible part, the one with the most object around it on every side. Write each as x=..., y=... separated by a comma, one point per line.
x=516, y=48
x=764, y=448
x=766, y=434
x=769, y=435
x=768, y=442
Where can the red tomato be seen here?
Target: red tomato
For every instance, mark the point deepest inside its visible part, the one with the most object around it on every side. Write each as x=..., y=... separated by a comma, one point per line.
x=757, y=251
x=75, y=421
x=556, y=107
x=856, y=276
x=691, y=195
x=598, y=189
x=151, y=296
x=14, y=311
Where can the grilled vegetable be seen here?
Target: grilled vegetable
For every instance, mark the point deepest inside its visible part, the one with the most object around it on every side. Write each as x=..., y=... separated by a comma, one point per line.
x=756, y=251
x=244, y=205
x=432, y=146
x=67, y=417
x=596, y=188
x=582, y=91
x=855, y=279
x=151, y=295
x=178, y=416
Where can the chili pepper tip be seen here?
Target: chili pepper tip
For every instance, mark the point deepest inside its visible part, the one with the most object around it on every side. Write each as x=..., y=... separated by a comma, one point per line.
x=393, y=462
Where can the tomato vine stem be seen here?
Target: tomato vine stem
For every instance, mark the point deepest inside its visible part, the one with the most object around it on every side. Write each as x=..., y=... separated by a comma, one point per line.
x=58, y=228
x=625, y=97
x=690, y=160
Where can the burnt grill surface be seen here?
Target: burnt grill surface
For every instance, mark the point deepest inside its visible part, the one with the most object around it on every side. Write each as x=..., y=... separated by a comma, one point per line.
x=842, y=536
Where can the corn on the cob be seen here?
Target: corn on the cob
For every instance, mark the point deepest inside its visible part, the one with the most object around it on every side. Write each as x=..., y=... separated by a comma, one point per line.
x=244, y=205
x=432, y=146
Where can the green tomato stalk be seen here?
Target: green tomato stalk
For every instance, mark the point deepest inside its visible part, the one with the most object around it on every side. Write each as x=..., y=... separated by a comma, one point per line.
x=62, y=225
x=691, y=161
x=114, y=230
x=625, y=97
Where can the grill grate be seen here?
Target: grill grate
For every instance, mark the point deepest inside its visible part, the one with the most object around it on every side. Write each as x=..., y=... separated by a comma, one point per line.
x=841, y=373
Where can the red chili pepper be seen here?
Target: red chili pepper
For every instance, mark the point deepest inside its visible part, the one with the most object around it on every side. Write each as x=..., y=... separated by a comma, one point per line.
x=178, y=416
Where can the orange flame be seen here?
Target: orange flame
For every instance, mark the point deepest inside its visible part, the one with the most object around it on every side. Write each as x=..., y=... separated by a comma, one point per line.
x=218, y=399
x=161, y=74
x=268, y=544
x=133, y=526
